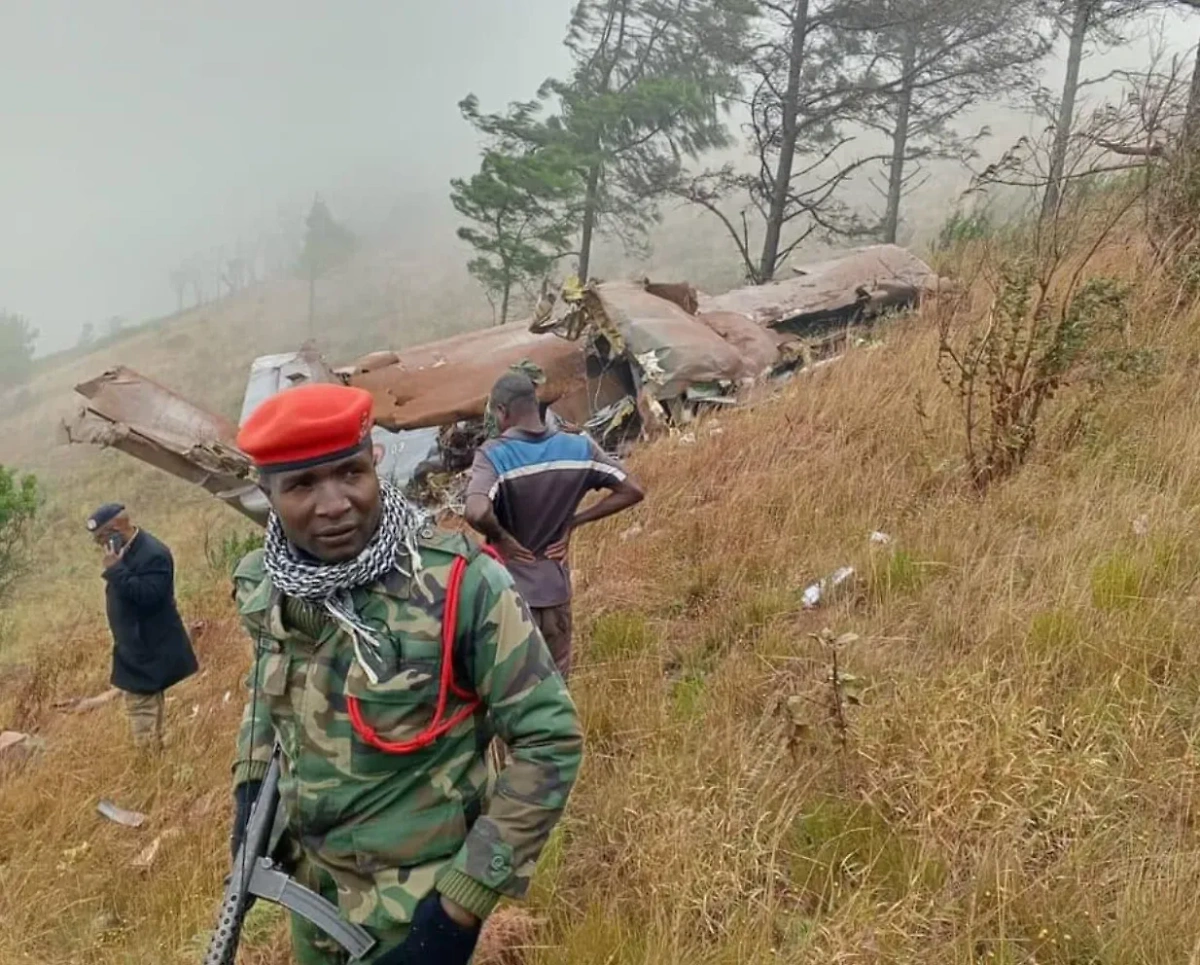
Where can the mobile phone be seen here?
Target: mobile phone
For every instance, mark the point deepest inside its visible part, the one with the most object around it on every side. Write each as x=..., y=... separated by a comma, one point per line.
x=114, y=542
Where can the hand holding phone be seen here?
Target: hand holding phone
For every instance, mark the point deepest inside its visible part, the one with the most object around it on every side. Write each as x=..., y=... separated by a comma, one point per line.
x=114, y=544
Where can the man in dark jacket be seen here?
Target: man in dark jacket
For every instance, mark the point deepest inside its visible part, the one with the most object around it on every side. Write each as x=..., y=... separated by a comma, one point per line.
x=151, y=649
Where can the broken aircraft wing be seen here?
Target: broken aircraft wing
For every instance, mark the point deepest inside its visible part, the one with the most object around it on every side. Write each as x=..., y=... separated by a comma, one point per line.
x=127, y=411
x=843, y=289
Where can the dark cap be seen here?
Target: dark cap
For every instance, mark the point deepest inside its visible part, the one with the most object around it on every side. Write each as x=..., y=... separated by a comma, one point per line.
x=105, y=514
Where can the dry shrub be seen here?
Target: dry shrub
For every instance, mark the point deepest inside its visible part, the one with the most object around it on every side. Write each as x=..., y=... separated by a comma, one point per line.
x=506, y=938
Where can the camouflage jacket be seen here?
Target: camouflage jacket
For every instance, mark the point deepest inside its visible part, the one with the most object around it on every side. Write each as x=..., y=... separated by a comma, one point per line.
x=389, y=827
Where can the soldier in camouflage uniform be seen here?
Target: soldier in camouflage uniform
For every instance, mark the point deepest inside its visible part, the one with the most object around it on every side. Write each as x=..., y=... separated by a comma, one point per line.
x=384, y=770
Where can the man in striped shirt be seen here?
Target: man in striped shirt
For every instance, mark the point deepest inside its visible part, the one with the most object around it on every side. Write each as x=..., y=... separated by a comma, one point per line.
x=524, y=496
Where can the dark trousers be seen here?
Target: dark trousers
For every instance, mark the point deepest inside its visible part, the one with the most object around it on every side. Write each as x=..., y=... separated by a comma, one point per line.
x=555, y=624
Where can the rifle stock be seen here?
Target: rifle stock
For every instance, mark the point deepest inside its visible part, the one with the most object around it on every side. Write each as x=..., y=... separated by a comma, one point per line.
x=254, y=875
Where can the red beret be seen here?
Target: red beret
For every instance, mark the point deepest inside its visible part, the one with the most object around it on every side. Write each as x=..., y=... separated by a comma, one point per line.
x=305, y=426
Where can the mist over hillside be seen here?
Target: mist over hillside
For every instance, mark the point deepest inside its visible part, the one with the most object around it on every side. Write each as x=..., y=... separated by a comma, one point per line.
x=140, y=138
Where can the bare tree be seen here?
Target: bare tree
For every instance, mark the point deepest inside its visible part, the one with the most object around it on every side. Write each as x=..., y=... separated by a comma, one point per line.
x=179, y=284
x=803, y=78
x=933, y=60
x=1137, y=131
x=1048, y=325
x=1098, y=22
x=1191, y=130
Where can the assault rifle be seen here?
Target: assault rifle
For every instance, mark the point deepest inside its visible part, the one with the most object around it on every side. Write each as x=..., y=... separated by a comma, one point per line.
x=255, y=875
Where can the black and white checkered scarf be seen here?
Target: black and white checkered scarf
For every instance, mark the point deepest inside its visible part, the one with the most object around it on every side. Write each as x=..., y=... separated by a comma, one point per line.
x=329, y=585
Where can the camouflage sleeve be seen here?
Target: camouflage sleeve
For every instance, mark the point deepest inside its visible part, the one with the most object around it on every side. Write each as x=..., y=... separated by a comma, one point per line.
x=534, y=715
x=256, y=735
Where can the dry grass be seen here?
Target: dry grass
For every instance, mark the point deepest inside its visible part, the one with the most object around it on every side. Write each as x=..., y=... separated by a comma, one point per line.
x=1018, y=784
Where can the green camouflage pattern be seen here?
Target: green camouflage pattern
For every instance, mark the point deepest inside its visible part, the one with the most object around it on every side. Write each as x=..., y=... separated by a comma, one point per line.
x=386, y=827
x=311, y=946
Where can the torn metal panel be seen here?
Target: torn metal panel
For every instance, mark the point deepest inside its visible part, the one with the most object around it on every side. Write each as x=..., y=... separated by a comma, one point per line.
x=671, y=349
x=398, y=453
x=449, y=381
x=124, y=396
x=128, y=411
x=681, y=293
x=270, y=374
x=758, y=346
x=120, y=815
x=846, y=288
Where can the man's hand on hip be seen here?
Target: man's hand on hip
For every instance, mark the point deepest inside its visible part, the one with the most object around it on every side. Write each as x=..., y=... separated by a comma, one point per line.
x=458, y=914
x=512, y=549
x=559, y=549
x=439, y=933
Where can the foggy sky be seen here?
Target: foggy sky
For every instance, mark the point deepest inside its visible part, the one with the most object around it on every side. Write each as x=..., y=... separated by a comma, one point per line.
x=134, y=133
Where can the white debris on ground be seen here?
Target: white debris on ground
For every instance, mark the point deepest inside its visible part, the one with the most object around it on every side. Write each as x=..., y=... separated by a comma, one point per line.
x=10, y=739
x=816, y=592
x=146, y=856
x=119, y=815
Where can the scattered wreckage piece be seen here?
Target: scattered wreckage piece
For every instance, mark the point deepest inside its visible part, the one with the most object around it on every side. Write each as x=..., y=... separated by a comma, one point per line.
x=119, y=815
x=448, y=381
x=130, y=412
x=620, y=360
x=817, y=592
x=145, y=858
x=845, y=289
x=12, y=739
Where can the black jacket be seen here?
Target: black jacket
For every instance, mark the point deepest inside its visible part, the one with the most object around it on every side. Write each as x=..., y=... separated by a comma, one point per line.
x=151, y=649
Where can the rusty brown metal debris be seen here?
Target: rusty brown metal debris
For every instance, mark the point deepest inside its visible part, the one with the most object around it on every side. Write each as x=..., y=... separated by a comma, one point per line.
x=672, y=349
x=128, y=411
x=449, y=380
x=617, y=357
x=848, y=287
x=758, y=346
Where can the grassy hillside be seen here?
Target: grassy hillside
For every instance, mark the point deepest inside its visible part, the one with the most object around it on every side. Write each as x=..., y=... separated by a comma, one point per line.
x=1005, y=772
x=385, y=298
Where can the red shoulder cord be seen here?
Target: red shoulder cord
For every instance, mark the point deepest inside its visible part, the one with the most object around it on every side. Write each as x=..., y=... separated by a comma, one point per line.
x=440, y=724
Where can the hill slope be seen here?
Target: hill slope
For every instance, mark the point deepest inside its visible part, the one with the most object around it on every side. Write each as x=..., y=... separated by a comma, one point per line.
x=1008, y=775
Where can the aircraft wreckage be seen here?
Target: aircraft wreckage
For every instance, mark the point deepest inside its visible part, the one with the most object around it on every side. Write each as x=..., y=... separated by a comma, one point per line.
x=618, y=360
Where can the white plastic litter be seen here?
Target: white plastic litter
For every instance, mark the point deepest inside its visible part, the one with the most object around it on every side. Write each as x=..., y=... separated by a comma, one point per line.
x=815, y=593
